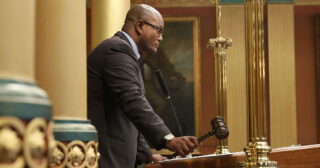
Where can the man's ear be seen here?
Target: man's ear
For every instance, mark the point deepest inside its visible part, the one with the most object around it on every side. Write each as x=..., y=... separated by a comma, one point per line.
x=138, y=27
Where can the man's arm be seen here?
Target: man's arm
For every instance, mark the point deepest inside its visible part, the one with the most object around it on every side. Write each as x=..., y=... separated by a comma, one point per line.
x=122, y=76
x=144, y=153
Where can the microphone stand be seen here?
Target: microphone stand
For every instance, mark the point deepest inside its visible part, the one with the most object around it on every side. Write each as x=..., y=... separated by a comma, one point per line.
x=165, y=91
x=175, y=115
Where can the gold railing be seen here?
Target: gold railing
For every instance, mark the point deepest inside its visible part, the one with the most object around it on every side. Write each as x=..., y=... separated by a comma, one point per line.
x=219, y=44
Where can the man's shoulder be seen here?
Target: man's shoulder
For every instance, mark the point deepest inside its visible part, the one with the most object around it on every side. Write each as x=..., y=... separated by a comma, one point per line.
x=115, y=43
x=114, y=48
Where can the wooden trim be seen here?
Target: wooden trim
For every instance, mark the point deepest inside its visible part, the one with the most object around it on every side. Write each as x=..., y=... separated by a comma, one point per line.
x=288, y=157
x=307, y=2
x=317, y=60
x=280, y=1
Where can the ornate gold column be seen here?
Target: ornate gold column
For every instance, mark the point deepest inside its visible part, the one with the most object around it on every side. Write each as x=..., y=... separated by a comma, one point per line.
x=219, y=44
x=25, y=111
x=283, y=121
x=233, y=25
x=61, y=70
x=107, y=18
x=257, y=150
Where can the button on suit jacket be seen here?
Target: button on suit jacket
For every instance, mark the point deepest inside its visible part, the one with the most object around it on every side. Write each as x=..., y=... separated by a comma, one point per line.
x=117, y=105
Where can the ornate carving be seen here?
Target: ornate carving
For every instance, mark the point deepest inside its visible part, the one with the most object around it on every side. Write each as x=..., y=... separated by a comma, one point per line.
x=11, y=130
x=37, y=144
x=51, y=142
x=10, y=145
x=92, y=154
x=34, y=147
x=219, y=42
x=77, y=154
x=58, y=155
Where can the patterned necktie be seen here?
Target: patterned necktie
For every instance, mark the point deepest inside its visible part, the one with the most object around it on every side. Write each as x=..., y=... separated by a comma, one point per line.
x=140, y=64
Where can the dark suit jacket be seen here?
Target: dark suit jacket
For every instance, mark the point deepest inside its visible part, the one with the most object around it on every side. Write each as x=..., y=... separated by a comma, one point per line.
x=117, y=105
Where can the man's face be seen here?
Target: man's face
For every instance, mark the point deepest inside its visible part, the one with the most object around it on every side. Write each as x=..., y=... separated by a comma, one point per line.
x=152, y=34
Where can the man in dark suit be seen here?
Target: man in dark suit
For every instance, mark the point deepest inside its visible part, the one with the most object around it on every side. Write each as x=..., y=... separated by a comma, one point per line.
x=117, y=105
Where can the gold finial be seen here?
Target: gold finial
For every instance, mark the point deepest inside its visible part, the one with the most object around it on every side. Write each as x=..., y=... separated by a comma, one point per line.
x=219, y=44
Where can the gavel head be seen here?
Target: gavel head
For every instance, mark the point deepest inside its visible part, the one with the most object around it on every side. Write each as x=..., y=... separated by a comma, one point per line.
x=219, y=128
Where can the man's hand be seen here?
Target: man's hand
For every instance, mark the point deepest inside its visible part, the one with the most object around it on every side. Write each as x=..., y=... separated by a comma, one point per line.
x=183, y=145
x=157, y=158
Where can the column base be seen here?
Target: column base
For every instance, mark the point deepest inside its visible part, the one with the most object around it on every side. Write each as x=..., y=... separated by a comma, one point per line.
x=25, y=126
x=257, y=153
x=76, y=144
x=222, y=150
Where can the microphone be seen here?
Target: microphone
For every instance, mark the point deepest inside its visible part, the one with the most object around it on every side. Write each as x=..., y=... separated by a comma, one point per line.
x=165, y=91
x=162, y=83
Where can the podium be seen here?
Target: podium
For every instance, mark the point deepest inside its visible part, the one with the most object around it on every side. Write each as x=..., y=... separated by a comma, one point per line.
x=287, y=157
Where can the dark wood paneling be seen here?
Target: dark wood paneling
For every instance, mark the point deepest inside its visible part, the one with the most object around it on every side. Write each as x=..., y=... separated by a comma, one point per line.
x=317, y=60
x=305, y=75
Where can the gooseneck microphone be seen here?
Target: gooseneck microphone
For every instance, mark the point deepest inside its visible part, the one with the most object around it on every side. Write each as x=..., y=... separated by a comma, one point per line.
x=162, y=83
x=165, y=91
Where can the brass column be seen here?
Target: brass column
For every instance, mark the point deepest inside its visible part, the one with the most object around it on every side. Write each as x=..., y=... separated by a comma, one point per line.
x=257, y=150
x=219, y=44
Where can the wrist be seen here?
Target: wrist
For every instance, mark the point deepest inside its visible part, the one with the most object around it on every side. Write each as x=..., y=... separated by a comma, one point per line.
x=166, y=139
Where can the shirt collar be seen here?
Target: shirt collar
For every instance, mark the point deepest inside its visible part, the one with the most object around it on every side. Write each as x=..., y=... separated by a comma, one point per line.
x=133, y=44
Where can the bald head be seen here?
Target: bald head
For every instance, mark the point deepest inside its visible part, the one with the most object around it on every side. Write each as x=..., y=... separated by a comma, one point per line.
x=140, y=12
x=144, y=25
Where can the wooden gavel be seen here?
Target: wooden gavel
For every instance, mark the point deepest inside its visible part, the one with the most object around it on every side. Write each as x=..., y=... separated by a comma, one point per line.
x=219, y=129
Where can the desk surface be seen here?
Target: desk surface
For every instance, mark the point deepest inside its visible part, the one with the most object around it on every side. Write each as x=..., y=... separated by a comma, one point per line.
x=287, y=157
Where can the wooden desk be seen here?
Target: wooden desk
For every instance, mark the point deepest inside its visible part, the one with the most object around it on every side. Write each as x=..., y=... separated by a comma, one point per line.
x=288, y=157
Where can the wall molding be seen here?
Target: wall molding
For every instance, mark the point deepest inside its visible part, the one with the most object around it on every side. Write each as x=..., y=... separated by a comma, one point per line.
x=307, y=2
x=208, y=3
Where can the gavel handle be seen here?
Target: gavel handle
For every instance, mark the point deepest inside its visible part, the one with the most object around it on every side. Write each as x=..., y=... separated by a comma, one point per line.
x=204, y=137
